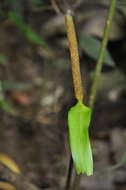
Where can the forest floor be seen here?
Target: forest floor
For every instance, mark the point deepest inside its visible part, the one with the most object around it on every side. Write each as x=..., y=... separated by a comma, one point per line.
x=36, y=135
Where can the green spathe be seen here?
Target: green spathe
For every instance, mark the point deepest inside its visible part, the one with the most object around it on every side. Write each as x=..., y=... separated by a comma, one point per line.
x=79, y=117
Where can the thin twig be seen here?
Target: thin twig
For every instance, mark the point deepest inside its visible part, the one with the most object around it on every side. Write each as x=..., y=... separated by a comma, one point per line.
x=69, y=174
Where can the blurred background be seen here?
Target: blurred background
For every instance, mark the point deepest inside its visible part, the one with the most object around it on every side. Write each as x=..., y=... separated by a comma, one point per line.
x=36, y=90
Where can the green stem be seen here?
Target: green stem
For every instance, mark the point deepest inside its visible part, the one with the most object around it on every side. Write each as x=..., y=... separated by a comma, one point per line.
x=101, y=56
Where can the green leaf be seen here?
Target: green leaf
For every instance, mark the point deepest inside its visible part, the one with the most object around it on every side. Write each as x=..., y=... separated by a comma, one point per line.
x=91, y=46
x=3, y=59
x=7, y=106
x=37, y=2
x=79, y=117
x=26, y=29
x=16, y=85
